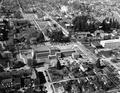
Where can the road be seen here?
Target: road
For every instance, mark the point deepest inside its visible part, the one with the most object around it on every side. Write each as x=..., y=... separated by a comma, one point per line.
x=48, y=84
x=33, y=17
x=66, y=33
x=37, y=25
x=91, y=56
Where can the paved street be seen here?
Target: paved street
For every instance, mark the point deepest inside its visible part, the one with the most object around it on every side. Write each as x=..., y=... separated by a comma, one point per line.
x=92, y=57
x=63, y=29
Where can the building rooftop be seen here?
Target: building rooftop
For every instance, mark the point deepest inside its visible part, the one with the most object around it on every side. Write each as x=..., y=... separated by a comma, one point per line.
x=106, y=53
x=41, y=49
x=103, y=42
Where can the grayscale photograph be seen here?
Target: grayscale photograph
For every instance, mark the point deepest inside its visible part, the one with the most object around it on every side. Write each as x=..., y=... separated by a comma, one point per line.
x=59, y=46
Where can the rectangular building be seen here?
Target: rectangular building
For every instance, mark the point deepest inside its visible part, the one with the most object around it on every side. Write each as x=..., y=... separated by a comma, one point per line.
x=111, y=44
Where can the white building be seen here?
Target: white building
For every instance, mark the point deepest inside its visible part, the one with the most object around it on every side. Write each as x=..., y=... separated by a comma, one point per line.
x=111, y=44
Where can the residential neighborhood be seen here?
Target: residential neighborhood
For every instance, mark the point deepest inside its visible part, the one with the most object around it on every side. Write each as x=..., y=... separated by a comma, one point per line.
x=59, y=46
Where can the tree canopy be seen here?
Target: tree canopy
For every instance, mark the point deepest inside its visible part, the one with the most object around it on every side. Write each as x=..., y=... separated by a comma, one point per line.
x=109, y=24
x=58, y=36
x=40, y=38
x=85, y=23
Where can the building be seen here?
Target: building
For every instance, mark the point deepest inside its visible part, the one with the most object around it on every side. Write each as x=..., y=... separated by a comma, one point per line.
x=67, y=52
x=76, y=55
x=41, y=52
x=41, y=49
x=26, y=54
x=52, y=57
x=53, y=50
x=112, y=44
x=105, y=53
x=82, y=34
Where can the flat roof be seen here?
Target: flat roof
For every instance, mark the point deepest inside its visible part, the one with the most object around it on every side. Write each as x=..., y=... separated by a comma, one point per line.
x=68, y=50
x=54, y=48
x=103, y=42
x=42, y=55
x=41, y=49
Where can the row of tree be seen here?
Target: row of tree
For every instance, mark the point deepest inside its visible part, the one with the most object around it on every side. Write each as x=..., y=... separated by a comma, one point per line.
x=86, y=23
x=109, y=24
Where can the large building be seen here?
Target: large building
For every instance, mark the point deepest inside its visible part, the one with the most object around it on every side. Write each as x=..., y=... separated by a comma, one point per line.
x=111, y=44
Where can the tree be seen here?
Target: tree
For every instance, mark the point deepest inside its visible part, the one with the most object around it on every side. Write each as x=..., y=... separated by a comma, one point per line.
x=58, y=36
x=18, y=15
x=85, y=23
x=19, y=64
x=109, y=24
x=59, y=65
x=1, y=68
x=40, y=38
x=62, y=55
x=98, y=65
x=48, y=33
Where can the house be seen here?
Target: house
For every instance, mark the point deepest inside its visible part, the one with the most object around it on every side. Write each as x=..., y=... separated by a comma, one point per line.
x=98, y=32
x=2, y=46
x=7, y=54
x=28, y=52
x=82, y=34
x=58, y=18
x=46, y=18
x=76, y=55
x=53, y=62
x=107, y=37
x=68, y=25
x=58, y=54
x=2, y=25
